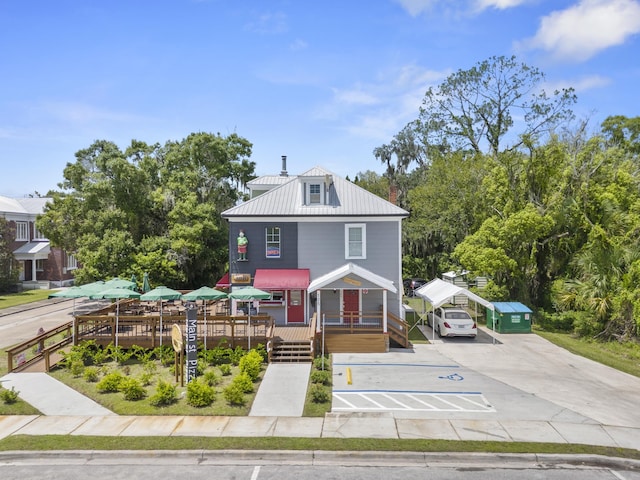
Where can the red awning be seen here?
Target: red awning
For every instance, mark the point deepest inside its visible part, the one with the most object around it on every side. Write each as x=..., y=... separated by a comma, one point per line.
x=282, y=279
x=224, y=281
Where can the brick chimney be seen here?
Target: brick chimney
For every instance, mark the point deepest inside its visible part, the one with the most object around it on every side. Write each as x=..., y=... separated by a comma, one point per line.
x=393, y=194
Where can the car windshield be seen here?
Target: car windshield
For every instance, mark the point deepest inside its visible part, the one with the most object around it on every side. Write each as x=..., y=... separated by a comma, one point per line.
x=457, y=316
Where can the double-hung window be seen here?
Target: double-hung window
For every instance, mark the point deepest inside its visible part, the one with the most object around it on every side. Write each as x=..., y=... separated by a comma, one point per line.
x=22, y=232
x=355, y=235
x=273, y=246
x=314, y=194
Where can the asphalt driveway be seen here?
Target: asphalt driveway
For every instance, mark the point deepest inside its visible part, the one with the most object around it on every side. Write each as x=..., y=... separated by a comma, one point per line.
x=517, y=377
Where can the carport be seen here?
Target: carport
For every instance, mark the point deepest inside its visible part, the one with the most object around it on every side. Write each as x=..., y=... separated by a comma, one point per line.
x=438, y=292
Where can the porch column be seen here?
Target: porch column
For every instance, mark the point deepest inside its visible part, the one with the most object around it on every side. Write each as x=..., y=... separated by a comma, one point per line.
x=384, y=311
x=34, y=275
x=318, y=311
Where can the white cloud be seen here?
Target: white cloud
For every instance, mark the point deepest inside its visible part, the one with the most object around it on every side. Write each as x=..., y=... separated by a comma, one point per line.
x=582, y=84
x=380, y=109
x=585, y=29
x=499, y=4
x=416, y=7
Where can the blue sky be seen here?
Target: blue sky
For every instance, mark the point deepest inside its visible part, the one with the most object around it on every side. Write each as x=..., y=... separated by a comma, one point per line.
x=322, y=82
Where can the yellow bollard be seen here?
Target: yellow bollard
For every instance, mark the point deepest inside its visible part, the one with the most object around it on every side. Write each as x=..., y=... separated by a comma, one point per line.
x=349, y=380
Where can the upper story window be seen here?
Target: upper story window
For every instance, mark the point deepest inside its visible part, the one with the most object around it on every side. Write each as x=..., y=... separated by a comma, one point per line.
x=22, y=231
x=273, y=242
x=314, y=194
x=38, y=235
x=355, y=236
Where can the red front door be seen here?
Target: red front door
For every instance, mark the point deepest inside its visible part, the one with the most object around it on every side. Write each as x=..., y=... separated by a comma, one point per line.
x=295, y=306
x=351, y=305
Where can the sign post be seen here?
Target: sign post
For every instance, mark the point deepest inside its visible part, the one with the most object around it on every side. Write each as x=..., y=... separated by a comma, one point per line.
x=191, y=341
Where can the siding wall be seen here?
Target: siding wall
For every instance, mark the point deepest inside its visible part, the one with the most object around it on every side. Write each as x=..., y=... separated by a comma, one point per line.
x=321, y=249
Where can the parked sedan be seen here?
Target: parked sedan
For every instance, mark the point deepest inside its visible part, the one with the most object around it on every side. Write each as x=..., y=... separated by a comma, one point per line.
x=453, y=322
x=411, y=284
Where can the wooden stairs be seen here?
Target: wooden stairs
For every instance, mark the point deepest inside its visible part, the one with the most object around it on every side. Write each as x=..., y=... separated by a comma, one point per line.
x=291, y=351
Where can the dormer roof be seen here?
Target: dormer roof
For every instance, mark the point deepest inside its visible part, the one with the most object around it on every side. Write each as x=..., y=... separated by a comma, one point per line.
x=339, y=197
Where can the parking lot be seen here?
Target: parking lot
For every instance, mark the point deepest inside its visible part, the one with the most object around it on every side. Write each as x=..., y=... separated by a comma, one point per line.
x=501, y=377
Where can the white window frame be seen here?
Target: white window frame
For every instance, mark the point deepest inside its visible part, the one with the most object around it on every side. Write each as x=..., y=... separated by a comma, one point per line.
x=72, y=262
x=22, y=231
x=314, y=198
x=40, y=265
x=269, y=241
x=37, y=234
x=347, y=243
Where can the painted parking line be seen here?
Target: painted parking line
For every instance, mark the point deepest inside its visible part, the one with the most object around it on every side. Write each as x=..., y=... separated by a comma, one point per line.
x=409, y=401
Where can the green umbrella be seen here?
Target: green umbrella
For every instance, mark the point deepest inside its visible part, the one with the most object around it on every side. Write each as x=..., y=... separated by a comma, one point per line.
x=71, y=292
x=161, y=293
x=120, y=283
x=146, y=287
x=134, y=279
x=117, y=294
x=204, y=293
x=249, y=294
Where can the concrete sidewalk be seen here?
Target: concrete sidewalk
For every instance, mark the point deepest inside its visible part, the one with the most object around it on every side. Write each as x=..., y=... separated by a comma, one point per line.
x=353, y=425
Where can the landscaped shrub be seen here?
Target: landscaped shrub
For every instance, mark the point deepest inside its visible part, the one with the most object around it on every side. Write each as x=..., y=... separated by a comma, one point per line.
x=262, y=351
x=234, y=394
x=210, y=378
x=318, y=393
x=318, y=363
x=110, y=383
x=165, y=394
x=219, y=355
x=225, y=369
x=146, y=378
x=244, y=382
x=322, y=377
x=251, y=364
x=118, y=354
x=132, y=389
x=235, y=355
x=9, y=396
x=165, y=354
x=76, y=368
x=199, y=394
x=90, y=374
x=201, y=366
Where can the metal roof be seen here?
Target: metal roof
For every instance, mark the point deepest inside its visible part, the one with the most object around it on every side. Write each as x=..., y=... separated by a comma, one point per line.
x=351, y=268
x=511, y=307
x=344, y=199
x=32, y=250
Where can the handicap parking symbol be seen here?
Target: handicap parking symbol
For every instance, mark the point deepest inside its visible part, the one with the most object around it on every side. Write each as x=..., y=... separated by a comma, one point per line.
x=455, y=377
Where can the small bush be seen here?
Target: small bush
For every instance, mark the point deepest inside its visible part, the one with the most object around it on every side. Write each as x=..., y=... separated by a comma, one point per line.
x=225, y=369
x=132, y=389
x=210, y=378
x=146, y=378
x=9, y=396
x=199, y=394
x=90, y=374
x=244, y=382
x=318, y=361
x=251, y=364
x=235, y=355
x=322, y=377
x=319, y=394
x=234, y=395
x=165, y=394
x=76, y=368
x=110, y=383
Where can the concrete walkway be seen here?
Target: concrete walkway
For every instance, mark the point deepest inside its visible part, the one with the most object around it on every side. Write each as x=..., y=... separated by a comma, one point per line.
x=50, y=396
x=282, y=391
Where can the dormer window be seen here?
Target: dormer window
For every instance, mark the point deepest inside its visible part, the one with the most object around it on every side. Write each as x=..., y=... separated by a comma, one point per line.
x=315, y=194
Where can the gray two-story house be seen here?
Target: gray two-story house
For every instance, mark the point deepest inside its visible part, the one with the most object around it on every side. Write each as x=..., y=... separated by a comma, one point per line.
x=328, y=251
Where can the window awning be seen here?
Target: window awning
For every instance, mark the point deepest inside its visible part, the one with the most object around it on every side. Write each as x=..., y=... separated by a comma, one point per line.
x=224, y=281
x=282, y=279
x=32, y=251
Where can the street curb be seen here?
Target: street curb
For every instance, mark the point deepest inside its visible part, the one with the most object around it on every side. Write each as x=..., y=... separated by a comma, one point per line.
x=318, y=457
x=31, y=306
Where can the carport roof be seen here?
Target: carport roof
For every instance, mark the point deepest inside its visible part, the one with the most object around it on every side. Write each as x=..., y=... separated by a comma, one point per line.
x=438, y=292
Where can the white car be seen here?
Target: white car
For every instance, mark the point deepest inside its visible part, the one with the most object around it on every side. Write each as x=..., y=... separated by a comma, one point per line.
x=453, y=322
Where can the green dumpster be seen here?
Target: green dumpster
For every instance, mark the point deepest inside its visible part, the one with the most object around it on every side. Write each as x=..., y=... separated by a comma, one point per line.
x=510, y=317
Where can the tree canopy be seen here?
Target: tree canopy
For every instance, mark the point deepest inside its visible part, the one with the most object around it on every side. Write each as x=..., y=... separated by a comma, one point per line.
x=150, y=208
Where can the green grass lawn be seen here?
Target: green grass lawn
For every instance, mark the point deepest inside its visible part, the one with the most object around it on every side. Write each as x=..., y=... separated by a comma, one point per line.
x=28, y=296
